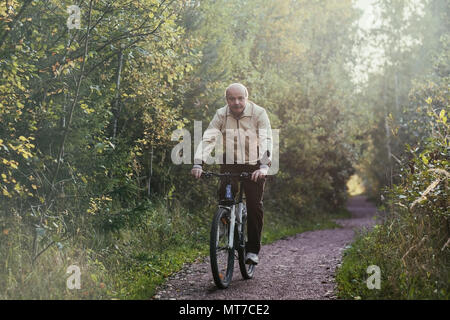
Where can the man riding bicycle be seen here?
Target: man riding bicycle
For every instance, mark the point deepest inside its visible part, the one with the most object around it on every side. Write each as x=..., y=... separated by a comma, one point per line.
x=243, y=129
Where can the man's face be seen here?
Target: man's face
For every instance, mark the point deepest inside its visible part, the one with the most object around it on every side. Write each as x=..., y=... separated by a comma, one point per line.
x=236, y=100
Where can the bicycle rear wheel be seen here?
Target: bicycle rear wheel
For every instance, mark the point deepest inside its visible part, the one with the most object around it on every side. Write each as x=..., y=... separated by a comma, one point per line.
x=247, y=270
x=222, y=257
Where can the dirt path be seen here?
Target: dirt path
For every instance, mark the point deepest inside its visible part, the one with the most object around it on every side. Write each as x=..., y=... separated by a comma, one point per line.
x=299, y=267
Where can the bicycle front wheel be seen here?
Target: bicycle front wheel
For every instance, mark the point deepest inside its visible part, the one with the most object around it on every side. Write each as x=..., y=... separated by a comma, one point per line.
x=222, y=257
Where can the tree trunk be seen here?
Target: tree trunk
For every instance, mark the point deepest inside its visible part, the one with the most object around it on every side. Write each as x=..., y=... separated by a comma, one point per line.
x=150, y=173
x=117, y=108
x=75, y=100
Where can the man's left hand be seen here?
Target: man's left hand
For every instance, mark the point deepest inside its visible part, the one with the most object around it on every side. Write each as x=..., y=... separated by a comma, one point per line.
x=259, y=174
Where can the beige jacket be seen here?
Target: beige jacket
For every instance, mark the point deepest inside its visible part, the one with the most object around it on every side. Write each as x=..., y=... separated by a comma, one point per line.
x=247, y=140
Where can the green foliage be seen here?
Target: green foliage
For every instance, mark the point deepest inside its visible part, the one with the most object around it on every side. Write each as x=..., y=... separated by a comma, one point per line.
x=408, y=157
x=412, y=246
x=80, y=111
x=415, y=44
x=87, y=116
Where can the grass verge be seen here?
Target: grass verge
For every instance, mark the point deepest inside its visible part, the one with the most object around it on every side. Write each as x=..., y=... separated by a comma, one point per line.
x=127, y=264
x=412, y=259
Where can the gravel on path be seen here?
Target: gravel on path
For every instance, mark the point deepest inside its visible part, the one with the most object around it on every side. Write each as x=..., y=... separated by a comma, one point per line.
x=299, y=267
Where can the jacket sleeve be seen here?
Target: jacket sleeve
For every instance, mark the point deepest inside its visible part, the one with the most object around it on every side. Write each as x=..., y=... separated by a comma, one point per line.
x=265, y=143
x=210, y=138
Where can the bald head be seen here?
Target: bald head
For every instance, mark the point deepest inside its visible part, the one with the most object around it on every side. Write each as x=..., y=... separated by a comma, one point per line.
x=237, y=87
x=236, y=95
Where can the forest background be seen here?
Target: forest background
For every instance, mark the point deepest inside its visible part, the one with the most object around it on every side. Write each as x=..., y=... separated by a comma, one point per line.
x=87, y=116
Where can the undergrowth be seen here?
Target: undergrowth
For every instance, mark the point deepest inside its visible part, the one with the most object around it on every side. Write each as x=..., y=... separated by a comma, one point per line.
x=128, y=263
x=412, y=247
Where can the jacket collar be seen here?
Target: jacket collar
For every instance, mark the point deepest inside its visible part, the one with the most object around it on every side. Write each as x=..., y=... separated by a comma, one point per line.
x=248, y=110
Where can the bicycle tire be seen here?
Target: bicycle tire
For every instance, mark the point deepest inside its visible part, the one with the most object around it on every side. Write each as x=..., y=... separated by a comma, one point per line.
x=247, y=270
x=221, y=257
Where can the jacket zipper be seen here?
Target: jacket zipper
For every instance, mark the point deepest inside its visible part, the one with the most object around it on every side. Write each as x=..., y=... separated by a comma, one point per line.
x=239, y=141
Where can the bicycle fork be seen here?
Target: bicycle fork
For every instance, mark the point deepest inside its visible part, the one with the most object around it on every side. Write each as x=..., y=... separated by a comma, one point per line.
x=233, y=218
x=232, y=224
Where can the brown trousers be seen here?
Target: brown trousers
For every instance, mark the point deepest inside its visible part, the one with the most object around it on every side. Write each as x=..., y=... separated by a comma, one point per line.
x=254, y=198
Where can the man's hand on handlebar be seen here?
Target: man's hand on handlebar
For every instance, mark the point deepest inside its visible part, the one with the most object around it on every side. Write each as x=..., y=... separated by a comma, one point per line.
x=259, y=174
x=197, y=172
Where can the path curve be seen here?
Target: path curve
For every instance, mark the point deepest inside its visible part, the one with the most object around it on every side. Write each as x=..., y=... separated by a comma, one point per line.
x=297, y=267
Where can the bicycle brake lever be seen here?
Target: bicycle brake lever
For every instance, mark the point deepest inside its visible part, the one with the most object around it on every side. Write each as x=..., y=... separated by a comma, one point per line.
x=206, y=174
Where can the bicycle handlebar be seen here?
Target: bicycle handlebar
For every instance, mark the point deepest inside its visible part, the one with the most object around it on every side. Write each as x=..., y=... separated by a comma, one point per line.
x=208, y=174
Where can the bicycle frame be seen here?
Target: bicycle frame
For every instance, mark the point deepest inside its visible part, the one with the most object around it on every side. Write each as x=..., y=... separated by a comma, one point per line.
x=230, y=204
x=235, y=217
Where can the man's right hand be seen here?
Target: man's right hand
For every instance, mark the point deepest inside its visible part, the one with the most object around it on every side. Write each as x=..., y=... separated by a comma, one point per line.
x=197, y=172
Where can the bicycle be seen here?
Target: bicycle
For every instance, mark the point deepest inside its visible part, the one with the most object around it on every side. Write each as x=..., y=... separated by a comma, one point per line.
x=229, y=233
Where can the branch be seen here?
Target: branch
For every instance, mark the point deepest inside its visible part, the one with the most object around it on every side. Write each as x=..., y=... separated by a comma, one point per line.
x=75, y=100
x=107, y=10
x=42, y=251
x=124, y=48
x=12, y=23
x=127, y=34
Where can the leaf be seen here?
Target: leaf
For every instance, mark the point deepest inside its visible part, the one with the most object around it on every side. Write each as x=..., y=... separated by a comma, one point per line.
x=5, y=192
x=442, y=116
